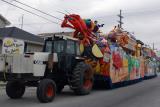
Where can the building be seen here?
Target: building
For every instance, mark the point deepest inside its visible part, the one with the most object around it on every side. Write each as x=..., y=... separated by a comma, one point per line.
x=33, y=43
x=3, y=22
x=43, y=35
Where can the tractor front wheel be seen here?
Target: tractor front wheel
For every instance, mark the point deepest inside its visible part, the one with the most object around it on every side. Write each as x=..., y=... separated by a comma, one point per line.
x=46, y=90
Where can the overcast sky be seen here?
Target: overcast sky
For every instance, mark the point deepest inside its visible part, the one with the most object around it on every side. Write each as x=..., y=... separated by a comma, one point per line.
x=141, y=16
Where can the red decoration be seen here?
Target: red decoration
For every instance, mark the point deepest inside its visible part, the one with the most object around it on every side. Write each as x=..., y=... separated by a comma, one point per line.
x=76, y=22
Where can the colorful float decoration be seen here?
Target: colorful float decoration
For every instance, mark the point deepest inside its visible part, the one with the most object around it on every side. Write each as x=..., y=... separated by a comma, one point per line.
x=116, y=57
x=150, y=62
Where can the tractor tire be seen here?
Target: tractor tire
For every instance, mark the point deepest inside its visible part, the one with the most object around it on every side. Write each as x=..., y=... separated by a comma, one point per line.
x=15, y=89
x=82, y=79
x=46, y=90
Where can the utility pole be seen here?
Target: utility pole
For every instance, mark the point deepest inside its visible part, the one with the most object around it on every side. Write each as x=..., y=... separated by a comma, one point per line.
x=22, y=21
x=120, y=19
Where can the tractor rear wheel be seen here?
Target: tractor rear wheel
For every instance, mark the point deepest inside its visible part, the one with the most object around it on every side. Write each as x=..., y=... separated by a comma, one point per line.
x=15, y=89
x=82, y=79
x=46, y=90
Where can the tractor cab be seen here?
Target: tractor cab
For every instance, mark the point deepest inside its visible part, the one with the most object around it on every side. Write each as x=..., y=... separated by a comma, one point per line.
x=65, y=49
x=62, y=44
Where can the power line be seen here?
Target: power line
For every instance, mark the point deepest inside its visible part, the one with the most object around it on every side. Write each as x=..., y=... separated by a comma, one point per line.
x=33, y=24
x=30, y=12
x=134, y=12
x=8, y=9
x=38, y=10
x=61, y=12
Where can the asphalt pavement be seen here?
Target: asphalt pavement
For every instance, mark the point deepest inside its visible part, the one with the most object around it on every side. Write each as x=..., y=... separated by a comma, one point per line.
x=142, y=94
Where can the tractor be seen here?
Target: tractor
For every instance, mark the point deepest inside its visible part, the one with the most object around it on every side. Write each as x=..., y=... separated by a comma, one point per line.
x=61, y=63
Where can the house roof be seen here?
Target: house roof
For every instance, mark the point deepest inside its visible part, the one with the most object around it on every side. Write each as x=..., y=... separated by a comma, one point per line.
x=43, y=35
x=4, y=20
x=17, y=33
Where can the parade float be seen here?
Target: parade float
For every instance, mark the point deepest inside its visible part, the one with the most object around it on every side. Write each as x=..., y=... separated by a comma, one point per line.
x=117, y=57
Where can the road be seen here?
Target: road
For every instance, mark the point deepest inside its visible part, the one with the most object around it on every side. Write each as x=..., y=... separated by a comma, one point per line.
x=143, y=94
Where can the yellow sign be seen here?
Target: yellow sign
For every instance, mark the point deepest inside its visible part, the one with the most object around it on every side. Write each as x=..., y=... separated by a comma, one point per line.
x=12, y=46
